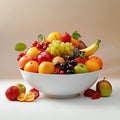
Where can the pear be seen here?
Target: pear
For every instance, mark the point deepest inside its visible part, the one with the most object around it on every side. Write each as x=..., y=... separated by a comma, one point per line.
x=104, y=87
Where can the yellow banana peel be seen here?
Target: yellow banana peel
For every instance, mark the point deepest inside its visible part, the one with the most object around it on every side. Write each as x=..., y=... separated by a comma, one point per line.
x=92, y=48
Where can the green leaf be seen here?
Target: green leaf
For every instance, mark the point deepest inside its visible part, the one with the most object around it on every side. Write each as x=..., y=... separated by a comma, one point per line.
x=40, y=36
x=76, y=35
x=20, y=46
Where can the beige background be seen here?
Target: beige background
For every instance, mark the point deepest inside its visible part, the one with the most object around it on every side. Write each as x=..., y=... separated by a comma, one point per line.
x=23, y=20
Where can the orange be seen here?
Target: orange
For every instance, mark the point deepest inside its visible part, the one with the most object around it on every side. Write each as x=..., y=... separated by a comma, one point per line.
x=58, y=59
x=21, y=97
x=75, y=42
x=23, y=60
x=31, y=66
x=46, y=68
x=29, y=97
x=98, y=59
x=92, y=65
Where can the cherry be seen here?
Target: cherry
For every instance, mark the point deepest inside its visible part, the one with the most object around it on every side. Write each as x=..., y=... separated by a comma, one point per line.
x=20, y=55
x=35, y=43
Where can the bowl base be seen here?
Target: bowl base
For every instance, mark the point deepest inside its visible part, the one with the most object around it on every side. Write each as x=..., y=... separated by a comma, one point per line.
x=62, y=96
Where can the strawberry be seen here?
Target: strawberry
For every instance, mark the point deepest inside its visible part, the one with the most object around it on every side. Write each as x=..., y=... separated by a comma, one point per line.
x=89, y=92
x=66, y=37
x=96, y=95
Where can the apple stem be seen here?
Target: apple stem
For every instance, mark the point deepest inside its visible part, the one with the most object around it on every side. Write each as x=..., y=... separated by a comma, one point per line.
x=103, y=78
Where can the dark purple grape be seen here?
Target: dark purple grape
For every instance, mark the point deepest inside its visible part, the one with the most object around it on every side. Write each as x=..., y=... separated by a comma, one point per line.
x=57, y=65
x=68, y=57
x=62, y=66
x=73, y=62
x=69, y=71
x=70, y=66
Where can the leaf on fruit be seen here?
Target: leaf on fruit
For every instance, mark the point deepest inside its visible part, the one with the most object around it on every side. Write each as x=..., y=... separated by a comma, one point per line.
x=76, y=35
x=40, y=37
x=20, y=46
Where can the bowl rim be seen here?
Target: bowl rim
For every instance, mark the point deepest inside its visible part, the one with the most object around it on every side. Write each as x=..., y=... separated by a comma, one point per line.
x=87, y=73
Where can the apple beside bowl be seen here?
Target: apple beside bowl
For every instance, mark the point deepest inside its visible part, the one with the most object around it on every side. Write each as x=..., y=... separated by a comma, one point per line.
x=61, y=86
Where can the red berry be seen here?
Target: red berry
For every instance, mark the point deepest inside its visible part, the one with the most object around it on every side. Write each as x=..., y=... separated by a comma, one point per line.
x=89, y=92
x=20, y=55
x=36, y=92
x=96, y=95
x=62, y=72
x=34, y=44
x=39, y=46
x=45, y=45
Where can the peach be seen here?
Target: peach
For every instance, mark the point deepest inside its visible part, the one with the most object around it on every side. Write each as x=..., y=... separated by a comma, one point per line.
x=58, y=59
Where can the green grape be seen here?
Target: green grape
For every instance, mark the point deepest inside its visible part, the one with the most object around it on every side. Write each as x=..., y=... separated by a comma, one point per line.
x=59, y=48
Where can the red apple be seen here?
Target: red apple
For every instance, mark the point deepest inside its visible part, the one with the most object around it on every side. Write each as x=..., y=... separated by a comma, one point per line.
x=44, y=56
x=80, y=60
x=66, y=37
x=12, y=93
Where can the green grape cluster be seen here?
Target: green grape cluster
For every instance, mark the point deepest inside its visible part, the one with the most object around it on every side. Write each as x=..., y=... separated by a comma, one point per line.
x=59, y=48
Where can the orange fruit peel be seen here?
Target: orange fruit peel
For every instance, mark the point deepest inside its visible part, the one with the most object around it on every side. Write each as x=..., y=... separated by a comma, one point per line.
x=29, y=97
x=21, y=97
x=75, y=41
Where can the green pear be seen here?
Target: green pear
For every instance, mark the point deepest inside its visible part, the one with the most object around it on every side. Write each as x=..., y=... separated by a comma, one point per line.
x=104, y=87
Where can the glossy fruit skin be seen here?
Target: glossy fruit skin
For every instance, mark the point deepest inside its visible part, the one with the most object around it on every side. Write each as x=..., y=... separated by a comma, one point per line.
x=44, y=56
x=46, y=68
x=66, y=37
x=104, y=87
x=21, y=87
x=35, y=43
x=23, y=60
x=31, y=66
x=80, y=60
x=58, y=59
x=54, y=36
x=92, y=48
x=92, y=65
x=12, y=93
x=80, y=68
x=36, y=92
x=20, y=55
x=98, y=59
x=95, y=95
x=89, y=92
x=75, y=42
x=33, y=51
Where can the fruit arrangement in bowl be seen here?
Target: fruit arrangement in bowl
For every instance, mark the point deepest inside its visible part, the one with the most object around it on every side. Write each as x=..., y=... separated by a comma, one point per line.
x=59, y=65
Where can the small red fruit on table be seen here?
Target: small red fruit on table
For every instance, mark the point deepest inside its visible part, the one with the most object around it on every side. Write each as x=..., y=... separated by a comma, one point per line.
x=12, y=92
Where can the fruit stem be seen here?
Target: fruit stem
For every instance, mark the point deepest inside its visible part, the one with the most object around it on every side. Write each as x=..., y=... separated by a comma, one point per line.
x=98, y=42
x=103, y=78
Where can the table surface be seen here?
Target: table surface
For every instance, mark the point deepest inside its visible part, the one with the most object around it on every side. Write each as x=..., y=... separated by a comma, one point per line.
x=57, y=109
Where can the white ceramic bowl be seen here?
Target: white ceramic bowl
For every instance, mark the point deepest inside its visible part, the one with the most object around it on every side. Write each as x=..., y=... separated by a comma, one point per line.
x=61, y=86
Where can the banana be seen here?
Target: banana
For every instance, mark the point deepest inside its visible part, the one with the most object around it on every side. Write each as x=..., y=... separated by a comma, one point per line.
x=92, y=48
